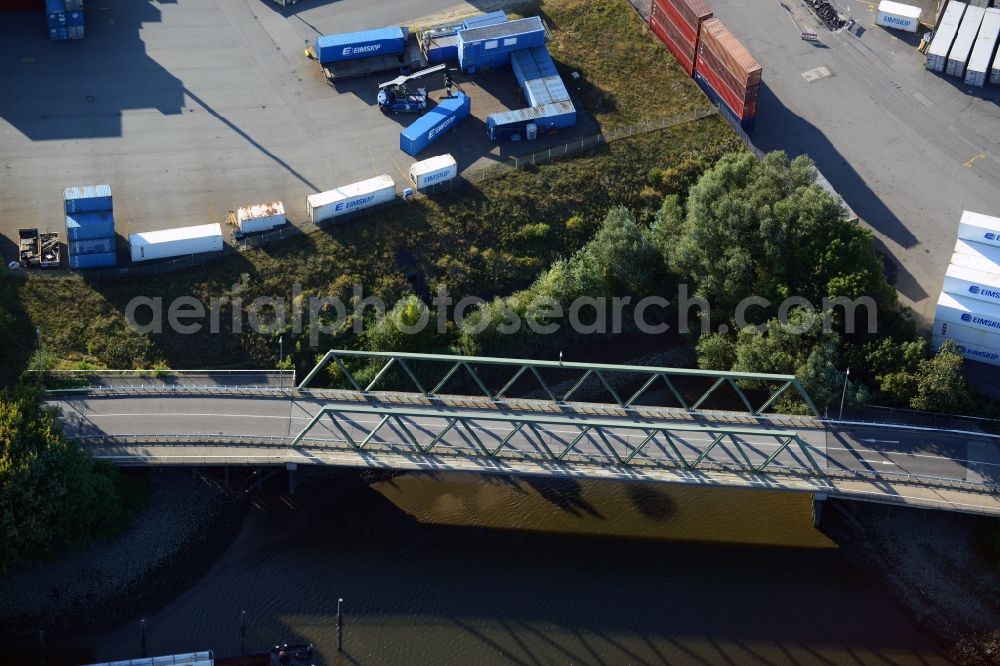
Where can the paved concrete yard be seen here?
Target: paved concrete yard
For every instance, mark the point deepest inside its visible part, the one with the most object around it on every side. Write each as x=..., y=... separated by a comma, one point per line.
x=192, y=108
x=908, y=149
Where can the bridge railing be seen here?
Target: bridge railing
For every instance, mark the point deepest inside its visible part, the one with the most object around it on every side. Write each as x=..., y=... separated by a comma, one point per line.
x=165, y=377
x=648, y=376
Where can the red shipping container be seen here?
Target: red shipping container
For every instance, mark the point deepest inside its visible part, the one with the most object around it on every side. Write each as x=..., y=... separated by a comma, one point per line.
x=730, y=52
x=679, y=47
x=693, y=12
x=666, y=13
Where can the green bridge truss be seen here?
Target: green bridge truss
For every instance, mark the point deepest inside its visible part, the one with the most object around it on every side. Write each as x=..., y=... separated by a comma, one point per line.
x=413, y=366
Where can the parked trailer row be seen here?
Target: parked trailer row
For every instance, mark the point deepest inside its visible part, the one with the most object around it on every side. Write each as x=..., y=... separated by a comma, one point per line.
x=944, y=36
x=965, y=39
x=978, y=71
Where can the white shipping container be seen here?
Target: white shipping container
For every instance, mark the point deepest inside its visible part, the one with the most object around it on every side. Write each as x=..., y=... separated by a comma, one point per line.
x=966, y=334
x=897, y=15
x=969, y=351
x=968, y=312
x=260, y=217
x=982, y=53
x=433, y=170
x=965, y=39
x=979, y=227
x=349, y=198
x=944, y=36
x=175, y=242
x=972, y=283
x=995, y=70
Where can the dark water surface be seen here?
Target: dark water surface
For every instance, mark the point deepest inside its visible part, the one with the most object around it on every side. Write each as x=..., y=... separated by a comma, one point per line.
x=464, y=569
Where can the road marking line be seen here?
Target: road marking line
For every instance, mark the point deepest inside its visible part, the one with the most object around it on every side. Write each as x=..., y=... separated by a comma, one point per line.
x=968, y=164
x=883, y=441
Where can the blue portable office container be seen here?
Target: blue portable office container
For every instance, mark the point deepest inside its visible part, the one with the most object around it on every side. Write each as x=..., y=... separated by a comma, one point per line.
x=89, y=226
x=491, y=45
x=92, y=246
x=484, y=20
x=56, y=19
x=506, y=124
x=101, y=260
x=731, y=116
x=74, y=18
x=58, y=34
x=87, y=199
x=364, y=44
x=429, y=127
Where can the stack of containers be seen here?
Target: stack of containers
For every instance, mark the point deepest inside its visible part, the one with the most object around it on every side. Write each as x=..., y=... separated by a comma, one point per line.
x=944, y=36
x=964, y=41
x=65, y=19
x=491, y=45
x=548, y=99
x=968, y=309
x=982, y=53
x=728, y=74
x=677, y=23
x=90, y=227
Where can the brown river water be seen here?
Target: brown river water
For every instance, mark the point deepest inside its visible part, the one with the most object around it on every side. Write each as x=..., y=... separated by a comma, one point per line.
x=466, y=569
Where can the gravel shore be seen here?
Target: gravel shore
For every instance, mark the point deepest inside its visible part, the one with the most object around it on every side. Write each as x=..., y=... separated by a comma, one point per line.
x=168, y=546
x=934, y=562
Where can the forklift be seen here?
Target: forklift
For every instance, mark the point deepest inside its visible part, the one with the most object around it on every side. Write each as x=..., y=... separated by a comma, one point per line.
x=394, y=97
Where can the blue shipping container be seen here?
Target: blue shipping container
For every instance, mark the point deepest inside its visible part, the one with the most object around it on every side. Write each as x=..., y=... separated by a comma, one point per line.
x=731, y=117
x=93, y=246
x=441, y=49
x=429, y=127
x=75, y=31
x=56, y=19
x=364, y=44
x=74, y=18
x=479, y=47
x=55, y=5
x=88, y=199
x=90, y=226
x=484, y=20
x=503, y=125
x=58, y=34
x=85, y=261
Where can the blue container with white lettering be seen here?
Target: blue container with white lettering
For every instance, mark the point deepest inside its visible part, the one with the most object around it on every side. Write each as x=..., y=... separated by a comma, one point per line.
x=74, y=18
x=87, y=199
x=100, y=260
x=364, y=44
x=89, y=226
x=58, y=34
x=429, y=127
x=56, y=19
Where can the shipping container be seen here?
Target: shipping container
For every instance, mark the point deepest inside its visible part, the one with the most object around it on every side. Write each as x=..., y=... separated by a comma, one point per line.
x=983, y=51
x=177, y=242
x=691, y=14
x=965, y=334
x=74, y=18
x=74, y=32
x=964, y=41
x=433, y=170
x=483, y=20
x=513, y=125
x=432, y=125
x=944, y=36
x=85, y=261
x=536, y=72
x=441, y=49
x=350, y=198
x=973, y=352
x=977, y=256
x=55, y=5
x=363, y=44
x=898, y=16
x=73, y=5
x=979, y=227
x=88, y=199
x=93, y=246
x=725, y=67
x=260, y=217
x=972, y=283
x=667, y=31
x=58, y=34
x=88, y=226
x=56, y=19
x=490, y=46
x=967, y=312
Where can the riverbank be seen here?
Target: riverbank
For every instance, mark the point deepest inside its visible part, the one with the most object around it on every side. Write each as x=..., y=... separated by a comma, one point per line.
x=935, y=563
x=189, y=521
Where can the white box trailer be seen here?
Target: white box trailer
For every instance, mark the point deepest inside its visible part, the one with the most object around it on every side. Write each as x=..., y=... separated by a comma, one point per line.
x=979, y=227
x=897, y=15
x=970, y=351
x=973, y=283
x=982, y=52
x=350, y=198
x=977, y=256
x=958, y=57
x=433, y=170
x=260, y=217
x=178, y=242
x=968, y=312
x=966, y=334
x=944, y=36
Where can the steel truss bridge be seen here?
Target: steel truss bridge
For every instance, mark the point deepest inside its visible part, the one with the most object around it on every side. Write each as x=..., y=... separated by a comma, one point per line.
x=616, y=434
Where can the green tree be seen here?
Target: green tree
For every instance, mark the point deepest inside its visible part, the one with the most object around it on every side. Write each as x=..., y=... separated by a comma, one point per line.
x=940, y=384
x=716, y=352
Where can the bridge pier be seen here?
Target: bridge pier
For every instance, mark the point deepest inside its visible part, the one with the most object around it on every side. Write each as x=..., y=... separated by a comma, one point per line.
x=291, y=467
x=819, y=499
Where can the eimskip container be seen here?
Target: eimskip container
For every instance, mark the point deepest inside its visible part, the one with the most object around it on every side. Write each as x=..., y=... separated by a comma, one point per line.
x=260, y=217
x=176, y=242
x=433, y=170
x=968, y=312
x=978, y=70
x=898, y=16
x=967, y=350
x=944, y=36
x=964, y=41
x=364, y=44
x=965, y=334
x=87, y=199
x=977, y=256
x=431, y=126
x=979, y=227
x=98, y=260
x=972, y=283
x=350, y=198
x=88, y=226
